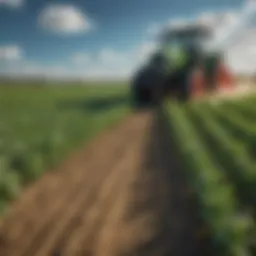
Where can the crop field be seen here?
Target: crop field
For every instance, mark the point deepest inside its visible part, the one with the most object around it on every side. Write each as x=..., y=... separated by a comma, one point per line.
x=39, y=127
x=217, y=148
x=122, y=183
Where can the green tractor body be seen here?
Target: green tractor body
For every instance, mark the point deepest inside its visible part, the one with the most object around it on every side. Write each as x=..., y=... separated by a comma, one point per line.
x=169, y=70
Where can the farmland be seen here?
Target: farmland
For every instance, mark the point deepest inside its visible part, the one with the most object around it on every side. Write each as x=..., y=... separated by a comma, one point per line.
x=140, y=185
x=41, y=125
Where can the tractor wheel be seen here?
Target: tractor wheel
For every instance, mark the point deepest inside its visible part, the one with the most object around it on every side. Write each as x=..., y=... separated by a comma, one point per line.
x=142, y=96
x=157, y=95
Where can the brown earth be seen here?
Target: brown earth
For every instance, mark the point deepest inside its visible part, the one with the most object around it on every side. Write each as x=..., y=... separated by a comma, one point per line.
x=123, y=195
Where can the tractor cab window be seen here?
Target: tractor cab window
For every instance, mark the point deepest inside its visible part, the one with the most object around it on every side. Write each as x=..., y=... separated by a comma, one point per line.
x=187, y=37
x=185, y=40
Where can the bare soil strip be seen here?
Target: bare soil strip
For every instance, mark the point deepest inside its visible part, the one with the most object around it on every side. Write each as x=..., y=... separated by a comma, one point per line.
x=123, y=195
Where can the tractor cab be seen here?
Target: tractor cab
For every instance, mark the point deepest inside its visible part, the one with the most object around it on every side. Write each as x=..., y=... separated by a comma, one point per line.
x=186, y=35
x=190, y=41
x=182, y=67
x=193, y=43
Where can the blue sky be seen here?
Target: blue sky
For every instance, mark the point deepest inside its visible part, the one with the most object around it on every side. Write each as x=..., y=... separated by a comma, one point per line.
x=87, y=35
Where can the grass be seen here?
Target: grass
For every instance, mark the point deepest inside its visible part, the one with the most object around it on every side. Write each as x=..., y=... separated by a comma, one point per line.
x=40, y=125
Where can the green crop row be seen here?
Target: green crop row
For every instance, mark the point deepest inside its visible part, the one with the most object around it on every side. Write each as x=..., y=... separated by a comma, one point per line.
x=230, y=229
x=238, y=126
x=243, y=107
x=231, y=153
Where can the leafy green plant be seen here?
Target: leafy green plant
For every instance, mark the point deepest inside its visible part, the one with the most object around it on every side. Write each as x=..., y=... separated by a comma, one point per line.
x=219, y=207
x=231, y=153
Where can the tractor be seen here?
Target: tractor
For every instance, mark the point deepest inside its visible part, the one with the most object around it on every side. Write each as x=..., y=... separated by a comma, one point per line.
x=182, y=67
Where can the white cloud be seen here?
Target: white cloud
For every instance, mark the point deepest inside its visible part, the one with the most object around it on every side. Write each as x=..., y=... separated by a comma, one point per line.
x=106, y=57
x=111, y=57
x=176, y=23
x=27, y=69
x=66, y=19
x=241, y=57
x=59, y=72
x=10, y=52
x=81, y=58
x=98, y=72
x=154, y=28
x=12, y=3
x=146, y=48
x=242, y=63
x=216, y=20
x=211, y=19
x=107, y=63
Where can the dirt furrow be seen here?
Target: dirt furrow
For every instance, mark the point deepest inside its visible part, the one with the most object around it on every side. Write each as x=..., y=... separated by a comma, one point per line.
x=108, y=238
x=86, y=183
x=66, y=224
x=135, y=221
x=83, y=241
x=105, y=199
x=180, y=220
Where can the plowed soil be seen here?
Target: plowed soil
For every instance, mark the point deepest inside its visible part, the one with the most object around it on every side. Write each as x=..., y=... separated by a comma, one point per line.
x=122, y=195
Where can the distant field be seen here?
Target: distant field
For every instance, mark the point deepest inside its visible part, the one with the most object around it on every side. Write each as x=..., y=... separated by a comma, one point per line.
x=40, y=125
